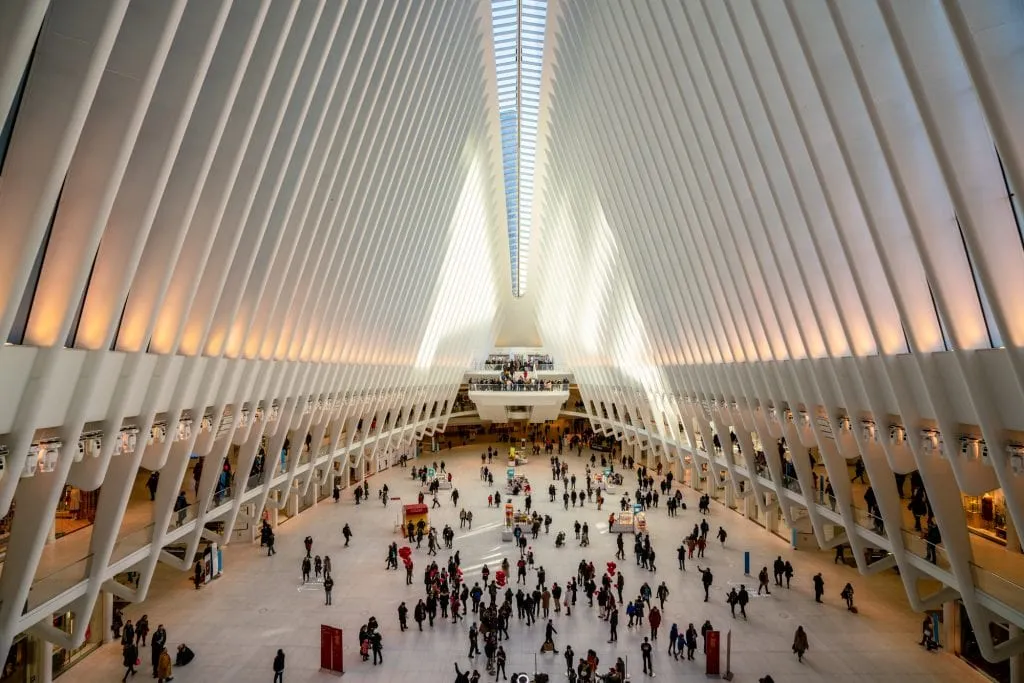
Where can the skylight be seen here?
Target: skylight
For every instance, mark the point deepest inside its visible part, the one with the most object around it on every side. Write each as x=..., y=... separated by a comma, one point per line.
x=518, y=53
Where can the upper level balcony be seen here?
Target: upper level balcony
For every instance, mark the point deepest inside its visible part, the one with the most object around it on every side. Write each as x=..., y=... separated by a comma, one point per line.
x=518, y=387
x=532, y=384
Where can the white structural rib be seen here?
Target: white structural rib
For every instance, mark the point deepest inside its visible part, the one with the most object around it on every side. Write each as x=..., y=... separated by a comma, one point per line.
x=228, y=225
x=231, y=224
x=777, y=218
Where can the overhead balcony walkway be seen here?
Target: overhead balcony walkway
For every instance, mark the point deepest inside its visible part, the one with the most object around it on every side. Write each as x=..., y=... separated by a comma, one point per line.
x=998, y=574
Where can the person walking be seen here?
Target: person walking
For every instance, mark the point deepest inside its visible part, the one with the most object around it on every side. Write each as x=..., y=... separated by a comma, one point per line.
x=347, y=533
x=847, y=595
x=142, y=630
x=130, y=656
x=654, y=619
x=499, y=663
x=279, y=667
x=691, y=641
x=549, y=636
x=474, y=648
x=645, y=653
x=328, y=587
x=762, y=581
x=662, y=594
x=403, y=617
x=800, y=644
x=742, y=598
x=819, y=587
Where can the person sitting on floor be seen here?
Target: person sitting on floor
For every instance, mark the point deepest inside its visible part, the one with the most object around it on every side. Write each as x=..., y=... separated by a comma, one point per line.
x=184, y=656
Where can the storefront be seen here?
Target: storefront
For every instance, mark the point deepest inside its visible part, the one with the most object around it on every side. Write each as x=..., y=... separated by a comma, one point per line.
x=986, y=515
x=76, y=510
x=967, y=646
x=64, y=659
x=16, y=667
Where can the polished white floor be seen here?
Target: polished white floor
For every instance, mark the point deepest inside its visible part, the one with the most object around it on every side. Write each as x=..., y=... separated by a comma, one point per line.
x=236, y=624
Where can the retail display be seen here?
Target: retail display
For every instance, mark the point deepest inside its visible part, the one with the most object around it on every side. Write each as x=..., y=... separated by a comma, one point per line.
x=517, y=484
x=622, y=523
x=640, y=523
x=415, y=512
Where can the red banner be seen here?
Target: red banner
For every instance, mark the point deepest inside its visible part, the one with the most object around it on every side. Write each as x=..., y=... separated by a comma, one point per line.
x=330, y=649
x=713, y=653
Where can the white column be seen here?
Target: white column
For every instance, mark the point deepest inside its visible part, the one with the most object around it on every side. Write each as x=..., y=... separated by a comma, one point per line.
x=1012, y=538
x=950, y=616
x=1016, y=661
x=273, y=513
x=42, y=660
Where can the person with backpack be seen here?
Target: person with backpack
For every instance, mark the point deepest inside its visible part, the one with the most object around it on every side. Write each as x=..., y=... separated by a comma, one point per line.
x=847, y=595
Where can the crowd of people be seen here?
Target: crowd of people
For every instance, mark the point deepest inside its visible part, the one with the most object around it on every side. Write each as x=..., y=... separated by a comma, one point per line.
x=483, y=604
x=133, y=641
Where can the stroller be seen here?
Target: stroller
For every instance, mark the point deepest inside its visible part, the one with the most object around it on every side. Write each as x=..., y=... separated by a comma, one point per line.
x=560, y=539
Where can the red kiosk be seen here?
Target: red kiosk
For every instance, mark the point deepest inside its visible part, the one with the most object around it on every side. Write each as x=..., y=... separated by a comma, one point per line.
x=330, y=649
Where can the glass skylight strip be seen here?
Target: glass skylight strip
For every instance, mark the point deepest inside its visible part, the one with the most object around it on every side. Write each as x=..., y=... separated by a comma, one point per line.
x=518, y=27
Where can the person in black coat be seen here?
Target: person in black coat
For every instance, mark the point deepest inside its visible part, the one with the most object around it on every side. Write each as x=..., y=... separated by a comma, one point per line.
x=185, y=655
x=158, y=642
x=279, y=667
x=131, y=655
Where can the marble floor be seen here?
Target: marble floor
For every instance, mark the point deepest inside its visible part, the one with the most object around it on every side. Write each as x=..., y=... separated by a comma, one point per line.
x=236, y=623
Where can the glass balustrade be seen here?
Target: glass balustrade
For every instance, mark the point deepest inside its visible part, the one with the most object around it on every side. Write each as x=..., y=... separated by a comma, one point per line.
x=995, y=584
x=183, y=516
x=915, y=543
x=867, y=520
x=512, y=386
x=51, y=584
x=132, y=542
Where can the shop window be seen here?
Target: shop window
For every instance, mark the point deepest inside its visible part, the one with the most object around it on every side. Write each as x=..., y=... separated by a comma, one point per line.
x=986, y=515
x=16, y=667
x=75, y=510
x=971, y=653
x=64, y=659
